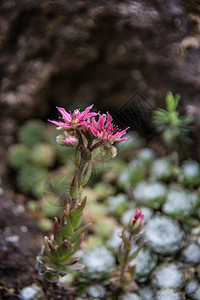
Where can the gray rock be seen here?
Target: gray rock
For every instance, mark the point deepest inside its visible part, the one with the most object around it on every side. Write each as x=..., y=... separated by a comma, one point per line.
x=31, y=292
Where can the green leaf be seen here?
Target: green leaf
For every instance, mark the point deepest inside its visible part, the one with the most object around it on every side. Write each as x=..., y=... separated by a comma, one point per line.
x=66, y=227
x=172, y=102
x=78, y=233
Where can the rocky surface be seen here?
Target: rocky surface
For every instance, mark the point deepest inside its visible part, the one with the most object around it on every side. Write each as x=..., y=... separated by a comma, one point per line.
x=59, y=53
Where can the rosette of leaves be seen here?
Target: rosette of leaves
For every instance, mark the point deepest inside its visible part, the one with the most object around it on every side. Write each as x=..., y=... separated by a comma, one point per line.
x=175, y=129
x=56, y=257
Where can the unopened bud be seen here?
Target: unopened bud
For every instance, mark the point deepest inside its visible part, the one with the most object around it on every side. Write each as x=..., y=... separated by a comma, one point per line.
x=71, y=141
x=60, y=139
x=137, y=222
x=112, y=151
x=67, y=140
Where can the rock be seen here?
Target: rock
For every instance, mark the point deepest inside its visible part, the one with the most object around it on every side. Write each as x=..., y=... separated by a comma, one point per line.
x=31, y=292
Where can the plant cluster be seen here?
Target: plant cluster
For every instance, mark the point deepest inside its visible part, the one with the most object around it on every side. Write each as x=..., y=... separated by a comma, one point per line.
x=169, y=196
x=175, y=128
x=81, y=130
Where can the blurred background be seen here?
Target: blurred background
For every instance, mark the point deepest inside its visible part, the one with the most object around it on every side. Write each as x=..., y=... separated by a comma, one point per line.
x=76, y=53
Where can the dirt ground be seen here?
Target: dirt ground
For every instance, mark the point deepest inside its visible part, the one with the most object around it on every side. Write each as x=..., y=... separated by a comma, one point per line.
x=20, y=242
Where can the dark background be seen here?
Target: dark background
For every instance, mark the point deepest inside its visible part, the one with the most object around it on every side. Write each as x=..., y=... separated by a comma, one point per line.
x=110, y=53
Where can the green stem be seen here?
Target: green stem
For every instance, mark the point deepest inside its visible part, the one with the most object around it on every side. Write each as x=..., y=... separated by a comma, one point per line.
x=96, y=145
x=124, y=267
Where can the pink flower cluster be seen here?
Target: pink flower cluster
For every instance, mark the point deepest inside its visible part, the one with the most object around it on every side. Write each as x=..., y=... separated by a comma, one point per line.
x=103, y=129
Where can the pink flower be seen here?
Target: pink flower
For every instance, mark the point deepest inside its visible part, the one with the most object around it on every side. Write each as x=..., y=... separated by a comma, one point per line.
x=105, y=130
x=75, y=119
x=137, y=222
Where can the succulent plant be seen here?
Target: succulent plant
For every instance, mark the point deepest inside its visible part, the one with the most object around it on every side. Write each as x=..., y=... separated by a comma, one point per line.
x=32, y=132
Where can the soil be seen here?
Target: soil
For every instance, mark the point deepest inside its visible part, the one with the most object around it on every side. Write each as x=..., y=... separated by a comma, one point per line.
x=20, y=242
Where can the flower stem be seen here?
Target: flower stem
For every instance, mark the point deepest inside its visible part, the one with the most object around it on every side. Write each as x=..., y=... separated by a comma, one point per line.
x=124, y=267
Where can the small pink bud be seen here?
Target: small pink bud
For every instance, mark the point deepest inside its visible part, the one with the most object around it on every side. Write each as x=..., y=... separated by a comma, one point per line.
x=71, y=141
x=137, y=222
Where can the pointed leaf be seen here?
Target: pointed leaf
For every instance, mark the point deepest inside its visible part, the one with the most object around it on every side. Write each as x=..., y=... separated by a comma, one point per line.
x=66, y=227
x=78, y=210
x=78, y=233
x=64, y=248
x=87, y=174
x=135, y=253
x=56, y=231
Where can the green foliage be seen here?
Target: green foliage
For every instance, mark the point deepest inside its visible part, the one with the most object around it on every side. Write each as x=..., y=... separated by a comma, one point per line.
x=37, y=150
x=36, y=175
x=190, y=173
x=18, y=156
x=29, y=176
x=175, y=128
x=132, y=174
x=32, y=132
x=43, y=155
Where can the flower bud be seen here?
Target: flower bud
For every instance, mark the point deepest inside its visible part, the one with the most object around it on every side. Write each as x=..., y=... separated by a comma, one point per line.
x=71, y=141
x=112, y=151
x=109, y=151
x=60, y=139
x=137, y=222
